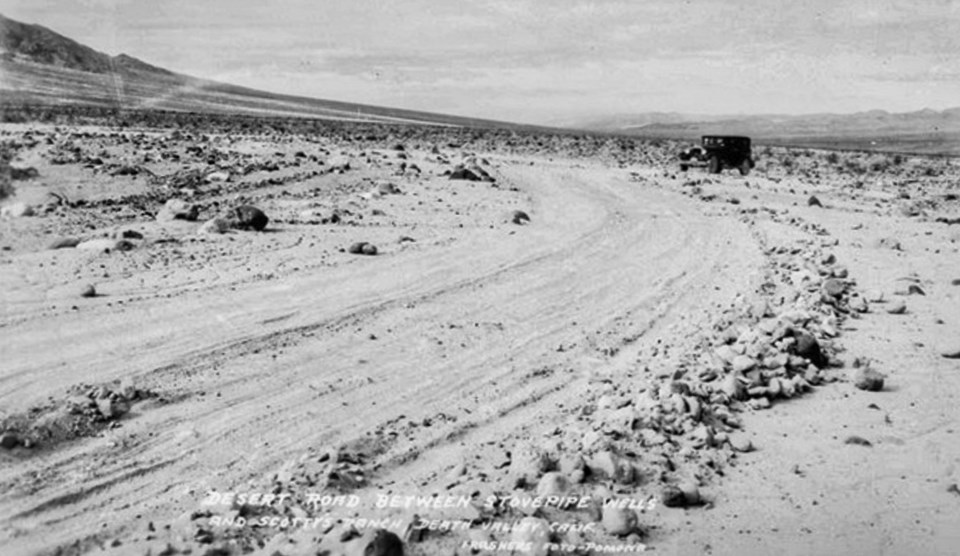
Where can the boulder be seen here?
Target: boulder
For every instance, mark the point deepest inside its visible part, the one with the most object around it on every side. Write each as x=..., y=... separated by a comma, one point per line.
x=868, y=379
x=247, y=217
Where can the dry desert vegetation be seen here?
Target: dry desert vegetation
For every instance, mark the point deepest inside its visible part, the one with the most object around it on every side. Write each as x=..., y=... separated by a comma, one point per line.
x=373, y=340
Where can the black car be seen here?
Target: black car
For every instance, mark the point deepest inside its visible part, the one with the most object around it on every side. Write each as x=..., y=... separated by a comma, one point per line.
x=719, y=152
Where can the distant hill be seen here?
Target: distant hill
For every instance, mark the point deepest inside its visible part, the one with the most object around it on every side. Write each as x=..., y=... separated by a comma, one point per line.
x=40, y=66
x=924, y=131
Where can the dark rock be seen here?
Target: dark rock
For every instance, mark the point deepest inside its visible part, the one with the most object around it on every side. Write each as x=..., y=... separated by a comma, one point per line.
x=814, y=202
x=868, y=379
x=88, y=291
x=9, y=441
x=857, y=440
x=807, y=346
x=378, y=542
x=685, y=496
x=248, y=217
x=952, y=352
x=519, y=217
x=64, y=243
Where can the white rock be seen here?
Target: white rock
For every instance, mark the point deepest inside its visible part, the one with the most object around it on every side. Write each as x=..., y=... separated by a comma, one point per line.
x=619, y=522
x=16, y=210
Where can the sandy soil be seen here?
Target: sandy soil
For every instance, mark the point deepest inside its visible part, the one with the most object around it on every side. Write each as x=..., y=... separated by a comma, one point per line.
x=469, y=350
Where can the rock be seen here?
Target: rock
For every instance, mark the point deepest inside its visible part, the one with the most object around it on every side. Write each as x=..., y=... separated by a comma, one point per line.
x=64, y=243
x=952, y=352
x=9, y=441
x=106, y=407
x=247, y=217
x=529, y=464
x=375, y=542
x=898, y=307
x=387, y=188
x=857, y=441
x=858, y=304
x=834, y=287
x=914, y=289
x=218, y=176
x=868, y=379
x=17, y=210
x=740, y=442
x=807, y=346
x=553, y=484
x=519, y=217
x=178, y=209
x=814, y=202
x=875, y=296
x=619, y=522
x=535, y=533
x=357, y=248
x=88, y=291
x=472, y=173
x=23, y=173
x=743, y=363
x=369, y=249
x=129, y=234
x=106, y=245
x=733, y=387
x=215, y=225
x=682, y=496
x=609, y=465
x=571, y=462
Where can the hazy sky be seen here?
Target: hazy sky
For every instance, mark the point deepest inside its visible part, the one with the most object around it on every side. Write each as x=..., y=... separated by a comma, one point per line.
x=544, y=61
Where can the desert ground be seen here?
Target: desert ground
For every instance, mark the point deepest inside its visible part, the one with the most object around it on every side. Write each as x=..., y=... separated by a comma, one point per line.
x=560, y=344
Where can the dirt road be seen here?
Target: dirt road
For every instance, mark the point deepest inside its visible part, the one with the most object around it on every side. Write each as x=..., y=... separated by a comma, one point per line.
x=489, y=335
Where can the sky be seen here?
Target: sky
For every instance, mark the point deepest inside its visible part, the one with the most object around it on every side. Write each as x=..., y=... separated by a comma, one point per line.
x=544, y=61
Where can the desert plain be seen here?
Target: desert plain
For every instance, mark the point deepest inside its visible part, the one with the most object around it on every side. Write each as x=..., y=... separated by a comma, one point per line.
x=560, y=344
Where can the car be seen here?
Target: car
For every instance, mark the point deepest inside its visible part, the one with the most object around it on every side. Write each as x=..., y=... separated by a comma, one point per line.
x=719, y=152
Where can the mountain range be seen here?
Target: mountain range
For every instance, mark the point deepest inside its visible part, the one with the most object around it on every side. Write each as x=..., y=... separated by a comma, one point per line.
x=40, y=66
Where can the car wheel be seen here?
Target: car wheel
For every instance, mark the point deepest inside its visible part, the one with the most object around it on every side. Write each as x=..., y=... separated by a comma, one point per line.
x=714, y=165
